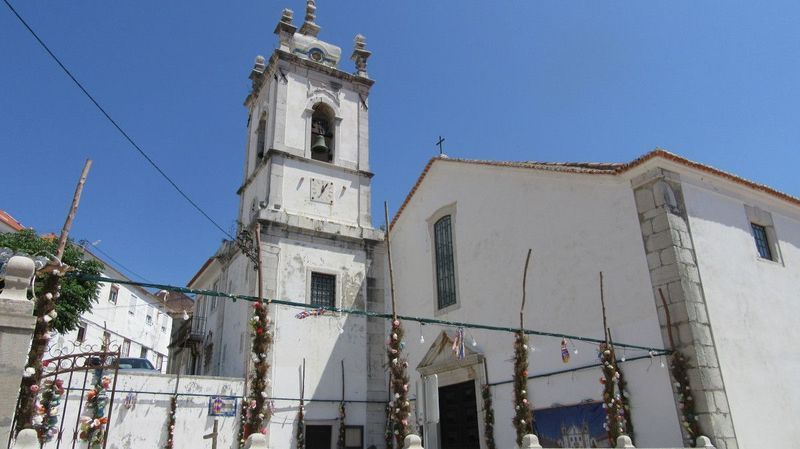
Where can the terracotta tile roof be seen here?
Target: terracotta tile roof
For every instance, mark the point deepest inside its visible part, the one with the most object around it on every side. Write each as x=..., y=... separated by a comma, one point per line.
x=600, y=168
x=12, y=222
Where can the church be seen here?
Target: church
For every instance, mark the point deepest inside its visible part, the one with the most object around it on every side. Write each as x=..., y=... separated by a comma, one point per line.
x=720, y=249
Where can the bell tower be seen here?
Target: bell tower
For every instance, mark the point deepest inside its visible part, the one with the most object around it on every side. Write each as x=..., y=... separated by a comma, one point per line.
x=307, y=182
x=307, y=152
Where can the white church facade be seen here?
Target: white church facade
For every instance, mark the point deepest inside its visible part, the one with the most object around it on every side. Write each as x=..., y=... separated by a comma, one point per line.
x=723, y=250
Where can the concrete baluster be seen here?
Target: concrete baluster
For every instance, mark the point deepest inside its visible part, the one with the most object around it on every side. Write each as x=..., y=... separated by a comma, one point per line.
x=530, y=441
x=256, y=441
x=412, y=442
x=704, y=442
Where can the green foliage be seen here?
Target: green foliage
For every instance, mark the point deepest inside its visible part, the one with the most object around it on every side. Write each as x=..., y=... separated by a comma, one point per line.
x=77, y=296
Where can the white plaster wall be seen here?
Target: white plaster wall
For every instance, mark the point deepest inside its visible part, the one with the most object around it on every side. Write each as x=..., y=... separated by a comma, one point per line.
x=297, y=176
x=144, y=425
x=752, y=306
x=318, y=339
x=299, y=97
x=577, y=226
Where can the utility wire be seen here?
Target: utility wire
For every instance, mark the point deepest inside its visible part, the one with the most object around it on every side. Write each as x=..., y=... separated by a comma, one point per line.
x=114, y=122
x=422, y=320
x=118, y=263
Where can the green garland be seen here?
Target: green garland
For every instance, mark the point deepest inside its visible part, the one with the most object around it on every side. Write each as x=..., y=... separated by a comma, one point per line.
x=523, y=418
x=173, y=406
x=400, y=407
x=689, y=419
x=488, y=417
x=258, y=411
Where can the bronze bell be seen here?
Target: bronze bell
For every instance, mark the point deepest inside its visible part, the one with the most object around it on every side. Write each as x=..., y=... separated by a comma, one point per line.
x=319, y=145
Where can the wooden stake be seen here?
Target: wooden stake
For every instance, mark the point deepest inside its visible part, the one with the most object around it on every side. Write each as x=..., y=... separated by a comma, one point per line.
x=258, y=258
x=389, y=256
x=524, y=282
x=669, y=320
x=603, y=306
x=76, y=199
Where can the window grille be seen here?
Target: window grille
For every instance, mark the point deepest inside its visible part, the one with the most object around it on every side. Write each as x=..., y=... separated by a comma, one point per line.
x=113, y=294
x=323, y=289
x=762, y=242
x=445, y=267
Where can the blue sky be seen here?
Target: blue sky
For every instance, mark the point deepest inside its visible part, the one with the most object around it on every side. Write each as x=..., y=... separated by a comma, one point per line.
x=715, y=81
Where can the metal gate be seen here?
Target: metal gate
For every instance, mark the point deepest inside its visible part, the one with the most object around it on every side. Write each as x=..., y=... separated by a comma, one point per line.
x=66, y=369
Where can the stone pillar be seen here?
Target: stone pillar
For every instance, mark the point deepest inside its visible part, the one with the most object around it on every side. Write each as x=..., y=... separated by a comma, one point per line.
x=16, y=328
x=673, y=269
x=377, y=380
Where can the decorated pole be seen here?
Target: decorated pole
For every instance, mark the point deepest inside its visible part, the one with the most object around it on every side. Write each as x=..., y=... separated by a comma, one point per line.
x=173, y=407
x=301, y=412
x=399, y=406
x=44, y=311
x=679, y=368
x=615, y=401
x=523, y=418
x=258, y=411
x=341, y=439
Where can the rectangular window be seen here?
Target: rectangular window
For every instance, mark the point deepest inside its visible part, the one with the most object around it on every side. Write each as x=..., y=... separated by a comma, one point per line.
x=319, y=437
x=143, y=353
x=323, y=289
x=81, y=333
x=107, y=338
x=126, y=348
x=149, y=318
x=159, y=362
x=762, y=241
x=113, y=294
x=445, y=267
x=132, y=305
x=354, y=437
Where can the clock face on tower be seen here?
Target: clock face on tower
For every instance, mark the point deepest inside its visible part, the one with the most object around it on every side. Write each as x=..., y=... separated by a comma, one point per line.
x=321, y=191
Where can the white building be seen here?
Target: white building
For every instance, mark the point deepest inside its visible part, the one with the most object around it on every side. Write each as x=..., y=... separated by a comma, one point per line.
x=135, y=321
x=725, y=251
x=307, y=181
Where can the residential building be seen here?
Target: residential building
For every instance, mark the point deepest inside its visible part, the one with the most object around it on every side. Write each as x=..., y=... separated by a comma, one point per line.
x=9, y=223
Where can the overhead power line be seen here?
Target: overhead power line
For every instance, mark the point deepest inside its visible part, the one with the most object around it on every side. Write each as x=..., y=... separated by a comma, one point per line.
x=422, y=320
x=114, y=122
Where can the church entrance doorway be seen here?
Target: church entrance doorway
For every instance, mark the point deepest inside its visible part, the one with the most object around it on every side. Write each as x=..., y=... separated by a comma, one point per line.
x=458, y=416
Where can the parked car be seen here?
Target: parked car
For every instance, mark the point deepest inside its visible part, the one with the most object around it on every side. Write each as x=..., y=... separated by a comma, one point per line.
x=135, y=364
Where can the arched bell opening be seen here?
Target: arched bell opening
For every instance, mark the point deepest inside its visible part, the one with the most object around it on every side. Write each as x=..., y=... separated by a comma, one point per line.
x=322, y=133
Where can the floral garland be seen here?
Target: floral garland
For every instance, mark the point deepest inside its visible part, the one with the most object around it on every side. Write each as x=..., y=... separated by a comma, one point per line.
x=258, y=411
x=173, y=406
x=340, y=442
x=523, y=419
x=242, y=422
x=92, y=426
x=689, y=419
x=400, y=407
x=488, y=417
x=615, y=400
x=301, y=427
x=388, y=433
x=46, y=420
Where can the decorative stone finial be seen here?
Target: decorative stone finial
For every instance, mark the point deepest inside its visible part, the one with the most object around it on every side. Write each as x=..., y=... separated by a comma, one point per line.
x=310, y=28
x=285, y=29
x=19, y=272
x=256, y=441
x=27, y=439
x=260, y=61
x=624, y=441
x=360, y=54
x=412, y=442
x=287, y=15
x=530, y=441
x=704, y=442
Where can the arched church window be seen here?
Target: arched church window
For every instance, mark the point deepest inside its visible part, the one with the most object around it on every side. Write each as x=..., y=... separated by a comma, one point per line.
x=322, y=133
x=261, y=136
